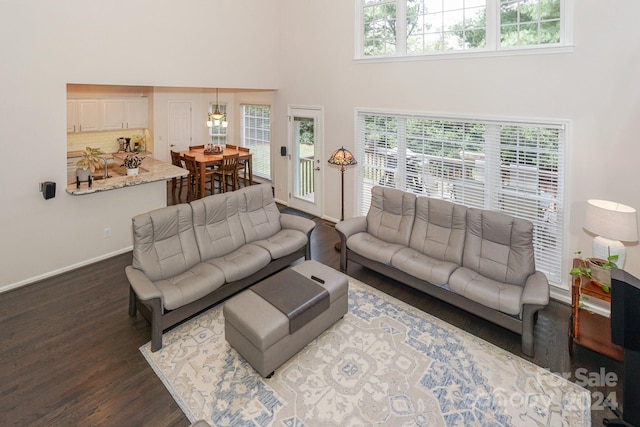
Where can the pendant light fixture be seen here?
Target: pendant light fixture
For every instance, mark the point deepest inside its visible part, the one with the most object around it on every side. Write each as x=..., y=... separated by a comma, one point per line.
x=217, y=118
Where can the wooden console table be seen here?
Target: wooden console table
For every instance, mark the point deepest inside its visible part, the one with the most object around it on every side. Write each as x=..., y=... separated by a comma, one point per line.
x=590, y=330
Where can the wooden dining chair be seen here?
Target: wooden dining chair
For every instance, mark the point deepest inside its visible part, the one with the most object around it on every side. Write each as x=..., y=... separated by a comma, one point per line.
x=194, y=178
x=196, y=147
x=243, y=166
x=176, y=161
x=231, y=147
x=228, y=170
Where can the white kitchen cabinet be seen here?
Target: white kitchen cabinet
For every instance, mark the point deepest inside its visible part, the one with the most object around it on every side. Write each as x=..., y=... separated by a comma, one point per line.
x=94, y=115
x=72, y=115
x=112, y=114
x=136, y=115
x=89, y=115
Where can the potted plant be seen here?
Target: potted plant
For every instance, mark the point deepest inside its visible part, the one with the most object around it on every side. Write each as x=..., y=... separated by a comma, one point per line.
x=132, y=162
x=88, y=164
x=601, y=270
x=587, y=268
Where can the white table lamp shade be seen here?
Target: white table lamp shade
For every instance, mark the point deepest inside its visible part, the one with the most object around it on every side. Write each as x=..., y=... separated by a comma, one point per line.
x=612, y=222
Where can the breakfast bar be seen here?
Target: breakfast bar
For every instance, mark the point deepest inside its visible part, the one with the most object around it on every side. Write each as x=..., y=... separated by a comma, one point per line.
x=150, y=170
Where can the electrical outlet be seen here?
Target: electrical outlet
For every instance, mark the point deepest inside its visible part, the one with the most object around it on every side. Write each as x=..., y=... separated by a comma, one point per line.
x=107, y=232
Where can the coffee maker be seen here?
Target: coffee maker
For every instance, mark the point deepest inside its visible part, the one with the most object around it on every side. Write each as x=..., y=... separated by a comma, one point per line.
x=125, y=144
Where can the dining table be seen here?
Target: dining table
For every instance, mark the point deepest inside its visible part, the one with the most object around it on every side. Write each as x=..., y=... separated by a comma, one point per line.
x=205, y=160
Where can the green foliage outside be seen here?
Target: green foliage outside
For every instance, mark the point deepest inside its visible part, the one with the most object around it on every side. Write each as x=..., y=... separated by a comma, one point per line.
x=521, y=23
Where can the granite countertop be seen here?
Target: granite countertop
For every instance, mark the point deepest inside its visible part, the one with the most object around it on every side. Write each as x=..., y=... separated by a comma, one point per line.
x=151, y=170
x=73, y=154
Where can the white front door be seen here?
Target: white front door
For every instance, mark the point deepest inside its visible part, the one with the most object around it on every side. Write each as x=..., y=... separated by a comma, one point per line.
x=305, y=140
x=179, y=119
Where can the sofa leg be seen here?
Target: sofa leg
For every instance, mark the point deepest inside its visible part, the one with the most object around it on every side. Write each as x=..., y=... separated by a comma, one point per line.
x=343, y=252
x=133, y=309
x=156, y=325
x=528, y=324
x=343, y=258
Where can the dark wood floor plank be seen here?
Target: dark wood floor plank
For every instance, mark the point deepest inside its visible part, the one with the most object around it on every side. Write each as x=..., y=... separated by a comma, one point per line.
x=69, y=351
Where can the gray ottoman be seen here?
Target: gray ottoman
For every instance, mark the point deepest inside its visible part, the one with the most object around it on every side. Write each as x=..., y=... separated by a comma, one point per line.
x=261, y=333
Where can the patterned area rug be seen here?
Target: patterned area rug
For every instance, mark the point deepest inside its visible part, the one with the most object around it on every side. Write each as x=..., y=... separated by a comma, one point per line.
x=384, y=363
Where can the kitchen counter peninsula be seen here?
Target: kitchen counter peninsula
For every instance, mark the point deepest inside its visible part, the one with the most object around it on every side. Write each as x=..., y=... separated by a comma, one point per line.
x=151, y=170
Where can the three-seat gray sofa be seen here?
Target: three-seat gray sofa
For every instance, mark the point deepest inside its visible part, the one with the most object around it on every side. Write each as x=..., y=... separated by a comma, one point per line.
x=188, y=257
x=479, y=260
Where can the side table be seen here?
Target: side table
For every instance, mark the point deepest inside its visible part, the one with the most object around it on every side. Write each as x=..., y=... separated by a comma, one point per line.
x=590, y=330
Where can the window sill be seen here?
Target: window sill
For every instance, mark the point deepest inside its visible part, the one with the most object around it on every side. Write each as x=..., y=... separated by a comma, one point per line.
x=439, y=56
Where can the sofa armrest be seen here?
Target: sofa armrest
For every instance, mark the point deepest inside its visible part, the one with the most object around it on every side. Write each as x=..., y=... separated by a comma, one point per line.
x=536, y=289
x=296, y=222
x=347, y=228
x=143, y=287
x=351, y=226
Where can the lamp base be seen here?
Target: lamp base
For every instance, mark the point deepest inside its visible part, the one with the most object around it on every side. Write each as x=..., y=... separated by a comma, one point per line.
x=603, y=248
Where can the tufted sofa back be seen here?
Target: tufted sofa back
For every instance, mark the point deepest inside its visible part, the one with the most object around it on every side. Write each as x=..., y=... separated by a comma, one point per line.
x=216, y=221
x=439, y=229
x=391, y=215
x=164, y=242
x=499, y=246
x=259, y=215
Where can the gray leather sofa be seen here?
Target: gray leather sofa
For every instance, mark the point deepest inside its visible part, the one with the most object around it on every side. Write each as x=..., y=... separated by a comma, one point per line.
x=188, y=257
x=479, y=260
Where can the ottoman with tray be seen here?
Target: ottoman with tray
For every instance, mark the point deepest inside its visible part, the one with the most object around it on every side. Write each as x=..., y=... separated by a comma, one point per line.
x=274, y=319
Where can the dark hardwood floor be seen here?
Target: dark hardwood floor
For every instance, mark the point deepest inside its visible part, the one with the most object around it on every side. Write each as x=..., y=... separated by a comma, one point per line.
x=69, y=350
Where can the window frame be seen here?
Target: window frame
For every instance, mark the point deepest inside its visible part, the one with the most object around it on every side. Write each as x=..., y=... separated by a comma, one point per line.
x=265, y=157
x=544, y=208
x=493, y=48
x=222, y=133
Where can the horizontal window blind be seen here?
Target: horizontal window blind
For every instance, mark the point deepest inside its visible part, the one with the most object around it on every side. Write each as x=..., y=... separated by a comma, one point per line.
x=513, y=167
x=256, y=135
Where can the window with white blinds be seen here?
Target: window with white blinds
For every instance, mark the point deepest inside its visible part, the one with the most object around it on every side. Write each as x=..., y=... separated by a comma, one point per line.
x=513, y=167
x=256, y=135
x=218, y=134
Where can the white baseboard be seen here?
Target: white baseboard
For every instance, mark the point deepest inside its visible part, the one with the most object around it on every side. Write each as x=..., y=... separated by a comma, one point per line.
x=62, y=270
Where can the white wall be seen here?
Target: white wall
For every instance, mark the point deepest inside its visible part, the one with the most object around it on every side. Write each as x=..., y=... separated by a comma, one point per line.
x=595, y=87
x=44, y=46
x=304, y=49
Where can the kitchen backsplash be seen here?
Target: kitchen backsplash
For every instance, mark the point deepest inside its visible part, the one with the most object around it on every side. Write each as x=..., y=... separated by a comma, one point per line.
x=106, y=141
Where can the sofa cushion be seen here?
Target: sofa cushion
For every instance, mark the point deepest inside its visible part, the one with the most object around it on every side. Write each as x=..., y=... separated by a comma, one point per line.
x=242, y=262
x=439, y=230
x=391, y=214
x=216, y=222
x=494, y=294
x=259, y=215
x=164, y=243
x=284, y=242
x=191, y=285
x=423, y=266
x=372, y=247
x=499, y=246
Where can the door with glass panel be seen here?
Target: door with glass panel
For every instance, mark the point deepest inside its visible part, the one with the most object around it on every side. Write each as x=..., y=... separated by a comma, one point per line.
x=305, y=142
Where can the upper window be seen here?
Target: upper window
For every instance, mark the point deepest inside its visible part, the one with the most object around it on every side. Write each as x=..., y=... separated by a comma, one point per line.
x=398, y=28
